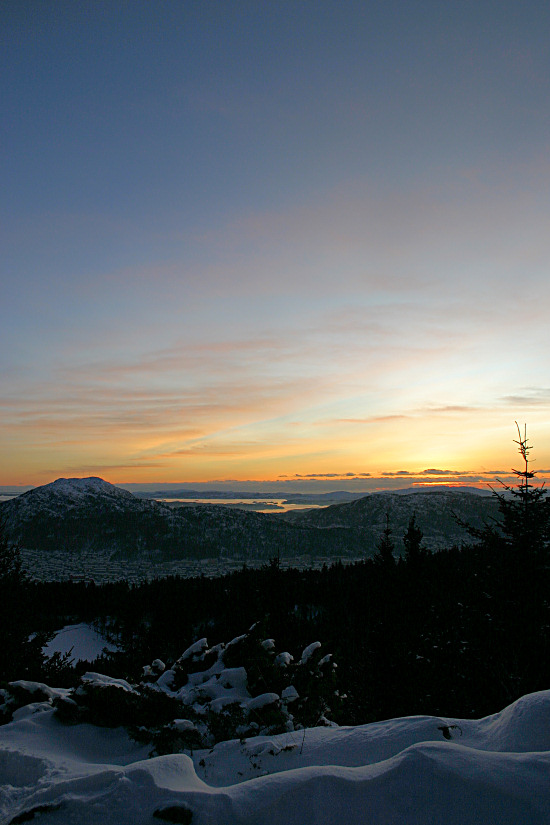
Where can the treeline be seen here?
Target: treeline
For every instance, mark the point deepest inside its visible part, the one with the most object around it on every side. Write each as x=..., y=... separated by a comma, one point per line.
x=194, y=532
x=459, y=632
x=191, y=533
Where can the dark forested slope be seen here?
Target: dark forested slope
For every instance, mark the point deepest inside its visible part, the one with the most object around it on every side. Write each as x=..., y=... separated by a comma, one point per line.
x=437, y=514
x=77, y=514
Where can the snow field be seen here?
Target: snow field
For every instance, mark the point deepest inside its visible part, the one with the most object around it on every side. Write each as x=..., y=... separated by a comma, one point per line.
x=81, y=640
x=494, y=771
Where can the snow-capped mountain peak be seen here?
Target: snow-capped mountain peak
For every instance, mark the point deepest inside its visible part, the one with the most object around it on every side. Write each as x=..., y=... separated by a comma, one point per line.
x=66, y=495
x=81, y=487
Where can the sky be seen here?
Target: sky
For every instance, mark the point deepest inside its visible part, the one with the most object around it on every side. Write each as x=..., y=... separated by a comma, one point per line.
x=284, y=241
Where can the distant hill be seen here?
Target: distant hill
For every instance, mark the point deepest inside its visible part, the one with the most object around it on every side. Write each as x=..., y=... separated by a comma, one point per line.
x=436, y=515
x=296, y=498
x=442, y=488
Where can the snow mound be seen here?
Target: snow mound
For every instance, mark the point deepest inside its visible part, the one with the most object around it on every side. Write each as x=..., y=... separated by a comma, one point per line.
x=398, y=772
x=522, y=726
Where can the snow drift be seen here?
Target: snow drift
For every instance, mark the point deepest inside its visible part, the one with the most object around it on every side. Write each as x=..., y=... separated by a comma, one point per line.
x=416, y=770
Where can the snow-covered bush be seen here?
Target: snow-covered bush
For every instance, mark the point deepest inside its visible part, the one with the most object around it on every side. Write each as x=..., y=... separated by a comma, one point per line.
x=234, y=690
x=104, y=701
x=22, y=693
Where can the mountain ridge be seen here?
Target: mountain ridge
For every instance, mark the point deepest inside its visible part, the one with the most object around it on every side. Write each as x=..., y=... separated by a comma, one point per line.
x=91, y=513
x=437, y=512
x=74, y=514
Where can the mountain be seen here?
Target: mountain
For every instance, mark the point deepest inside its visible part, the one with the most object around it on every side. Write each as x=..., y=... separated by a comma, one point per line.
x=436, y=515
x=71, y=493
x=89, y=513
x=78, y=513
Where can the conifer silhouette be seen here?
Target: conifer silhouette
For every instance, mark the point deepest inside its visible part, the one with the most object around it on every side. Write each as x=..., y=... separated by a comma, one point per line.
x=412, y=540
x=524, y=510
x=385, y=547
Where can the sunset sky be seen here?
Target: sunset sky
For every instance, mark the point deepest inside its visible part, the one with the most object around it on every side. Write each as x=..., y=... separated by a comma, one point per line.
x=274, y=240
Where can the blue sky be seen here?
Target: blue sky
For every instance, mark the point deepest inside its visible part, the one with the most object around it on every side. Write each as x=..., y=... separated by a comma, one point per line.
x=272, y=239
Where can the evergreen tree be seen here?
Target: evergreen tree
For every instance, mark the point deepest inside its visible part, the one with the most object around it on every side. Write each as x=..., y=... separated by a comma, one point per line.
x=385, y=547
x=11, y=574
x=19, y=656
x=525, y=511
x=412, y=540
x=521, y=535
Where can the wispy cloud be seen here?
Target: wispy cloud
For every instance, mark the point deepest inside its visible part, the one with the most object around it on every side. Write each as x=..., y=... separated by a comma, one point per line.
x=347, y=475
x=539, y=397
x=436, y=472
